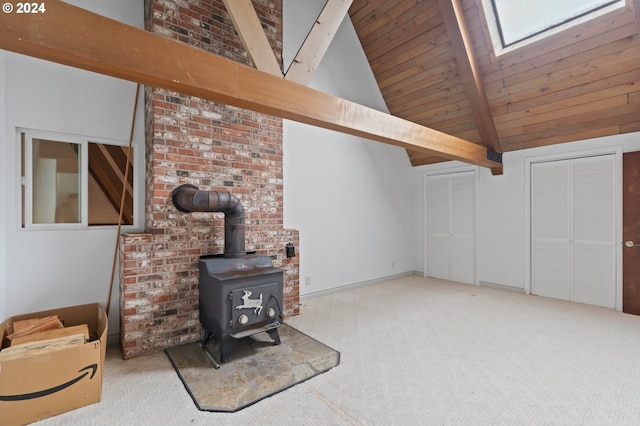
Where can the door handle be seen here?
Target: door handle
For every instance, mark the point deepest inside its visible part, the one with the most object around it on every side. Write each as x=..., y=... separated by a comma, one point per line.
x=630, y=244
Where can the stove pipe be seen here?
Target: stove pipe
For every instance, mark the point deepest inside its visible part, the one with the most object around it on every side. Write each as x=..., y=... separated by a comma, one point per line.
x=188, y=198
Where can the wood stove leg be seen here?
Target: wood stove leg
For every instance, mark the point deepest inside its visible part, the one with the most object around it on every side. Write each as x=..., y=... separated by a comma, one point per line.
x=226, y=348
x=273, y=333
x=214, y=361
x=206, y=335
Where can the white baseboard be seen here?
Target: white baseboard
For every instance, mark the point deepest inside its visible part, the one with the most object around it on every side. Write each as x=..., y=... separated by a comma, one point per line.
x=356, y=285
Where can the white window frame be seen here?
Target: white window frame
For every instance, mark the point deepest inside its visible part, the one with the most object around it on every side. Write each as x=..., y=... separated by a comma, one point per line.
x=26, y=182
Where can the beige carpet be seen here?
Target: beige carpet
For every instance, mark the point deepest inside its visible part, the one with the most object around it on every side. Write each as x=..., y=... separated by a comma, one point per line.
x=416, y=351
x=257, y=369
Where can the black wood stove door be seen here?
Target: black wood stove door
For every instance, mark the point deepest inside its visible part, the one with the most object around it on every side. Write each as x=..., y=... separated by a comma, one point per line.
x=255, y=304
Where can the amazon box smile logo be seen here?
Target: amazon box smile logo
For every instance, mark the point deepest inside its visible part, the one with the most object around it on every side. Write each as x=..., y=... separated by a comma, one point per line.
x=39, y=394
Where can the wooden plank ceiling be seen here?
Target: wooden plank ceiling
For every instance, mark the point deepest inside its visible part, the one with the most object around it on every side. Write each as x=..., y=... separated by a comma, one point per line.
x=578, y=84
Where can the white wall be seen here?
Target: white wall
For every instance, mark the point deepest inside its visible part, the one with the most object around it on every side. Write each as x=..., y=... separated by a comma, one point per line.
x=4, y=165
x=350, y=198
x=501, y=209
x=48, y=269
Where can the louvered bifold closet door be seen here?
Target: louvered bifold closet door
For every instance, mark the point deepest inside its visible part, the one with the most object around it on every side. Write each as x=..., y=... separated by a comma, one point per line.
x=451, y=226
x=573, y=230
x=593, y=231
x=438, y=226
x=463, y=233
x=550, y=229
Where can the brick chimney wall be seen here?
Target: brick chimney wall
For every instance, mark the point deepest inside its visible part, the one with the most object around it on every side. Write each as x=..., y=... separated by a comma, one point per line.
x=214, y=147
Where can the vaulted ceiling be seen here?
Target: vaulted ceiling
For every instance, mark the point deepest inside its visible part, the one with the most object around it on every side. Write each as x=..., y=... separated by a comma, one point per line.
x=450, y=96
x=437, y=68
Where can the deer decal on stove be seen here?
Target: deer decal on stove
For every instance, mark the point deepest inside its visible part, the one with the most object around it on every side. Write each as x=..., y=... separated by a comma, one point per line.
x=255, y=304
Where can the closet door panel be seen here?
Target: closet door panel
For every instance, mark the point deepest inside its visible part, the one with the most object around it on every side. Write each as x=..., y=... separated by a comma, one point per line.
x=550, y=272
x=593, y=274
x=463, y=268
x=593, y=231
x=439, y=256
x=463, y=204
x=550, y=201
x=550, y=229
x=593, y=199
x=463, y=241
x=438, y=210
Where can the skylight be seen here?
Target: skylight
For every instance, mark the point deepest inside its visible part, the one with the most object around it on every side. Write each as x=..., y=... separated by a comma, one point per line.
x=519, y=21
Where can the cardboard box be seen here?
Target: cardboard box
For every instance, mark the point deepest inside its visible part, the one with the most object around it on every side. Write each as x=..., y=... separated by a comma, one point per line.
x=47, y=384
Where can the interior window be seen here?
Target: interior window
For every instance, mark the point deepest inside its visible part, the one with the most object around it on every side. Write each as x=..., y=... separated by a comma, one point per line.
x=74, y=181
x=106, y=181
x=55, y=182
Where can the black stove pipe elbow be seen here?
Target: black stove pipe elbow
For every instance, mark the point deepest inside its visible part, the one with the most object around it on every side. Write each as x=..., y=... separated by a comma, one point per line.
x=188, y=198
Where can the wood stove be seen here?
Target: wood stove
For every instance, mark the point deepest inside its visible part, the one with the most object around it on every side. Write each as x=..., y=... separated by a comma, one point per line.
x=240, y=292
x=239, y=297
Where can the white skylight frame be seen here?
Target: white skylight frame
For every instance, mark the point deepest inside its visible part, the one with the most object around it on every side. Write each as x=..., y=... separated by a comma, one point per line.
x=496, y=37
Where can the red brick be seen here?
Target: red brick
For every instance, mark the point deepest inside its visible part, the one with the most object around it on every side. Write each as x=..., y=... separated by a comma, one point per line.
x=213, y=146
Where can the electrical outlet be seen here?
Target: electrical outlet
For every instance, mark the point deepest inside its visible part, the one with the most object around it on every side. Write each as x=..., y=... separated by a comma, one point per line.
x=307, y=280
x=393, y=265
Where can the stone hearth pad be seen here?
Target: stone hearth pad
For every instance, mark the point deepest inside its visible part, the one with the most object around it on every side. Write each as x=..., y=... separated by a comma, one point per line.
x=258, y=369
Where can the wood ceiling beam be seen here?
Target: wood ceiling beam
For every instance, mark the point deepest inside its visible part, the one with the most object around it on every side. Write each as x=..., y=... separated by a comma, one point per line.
x=247, y=24
x=317, y=42
x=453, y=16
x=73, y=36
